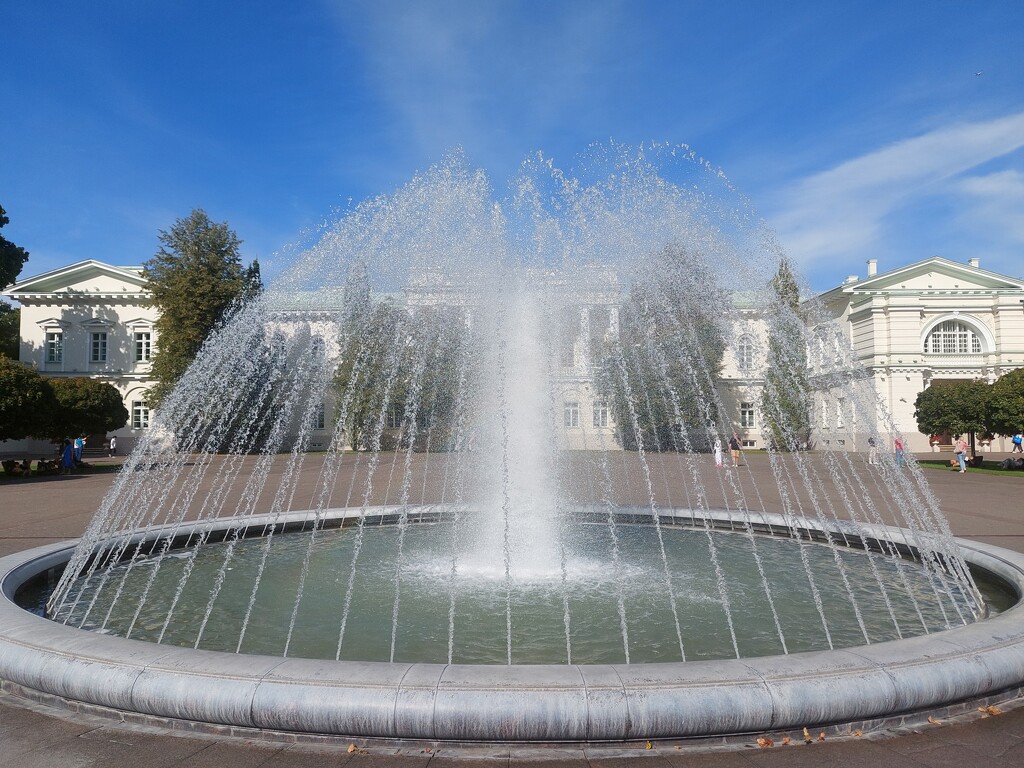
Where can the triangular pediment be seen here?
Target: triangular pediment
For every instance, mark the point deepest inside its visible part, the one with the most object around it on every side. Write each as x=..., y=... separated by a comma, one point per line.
x=84, y=277
x=934, y=274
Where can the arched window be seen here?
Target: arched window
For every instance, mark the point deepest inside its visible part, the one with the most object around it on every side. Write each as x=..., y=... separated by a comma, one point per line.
x=745, y=352
x=952, y=337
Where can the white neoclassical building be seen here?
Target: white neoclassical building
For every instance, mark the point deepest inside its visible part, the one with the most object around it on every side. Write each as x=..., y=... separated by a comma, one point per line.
x=928, y=321
x=91, y=319
x=908, y=327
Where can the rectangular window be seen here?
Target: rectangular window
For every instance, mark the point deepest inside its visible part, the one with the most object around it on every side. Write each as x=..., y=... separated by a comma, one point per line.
x=98, y=347
x=143, y=346
x=140, y=414
x=572, y=414
x=318, y=417
x=746, y=414
x=55, y=347
x=395, y=416
x=840, y=415
x=600, y=413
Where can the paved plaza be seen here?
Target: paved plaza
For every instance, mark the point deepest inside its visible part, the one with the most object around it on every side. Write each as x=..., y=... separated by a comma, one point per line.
x=982, y=507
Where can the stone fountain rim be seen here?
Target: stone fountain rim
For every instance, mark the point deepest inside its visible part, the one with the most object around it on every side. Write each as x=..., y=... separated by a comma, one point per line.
x=517, y=703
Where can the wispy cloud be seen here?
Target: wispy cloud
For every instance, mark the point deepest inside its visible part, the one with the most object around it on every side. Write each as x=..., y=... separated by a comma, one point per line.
x=480, y=75
x=996, y=200
x=842, y=211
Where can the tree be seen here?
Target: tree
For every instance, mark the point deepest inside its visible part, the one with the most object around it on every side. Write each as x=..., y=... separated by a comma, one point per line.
x=956, y=407
x=196, y=278
x=27, y=402
x=12, y=257
x=1006, y=404
x=659, y=375
x=786, y=399
x=85, y=407
x=10, y=331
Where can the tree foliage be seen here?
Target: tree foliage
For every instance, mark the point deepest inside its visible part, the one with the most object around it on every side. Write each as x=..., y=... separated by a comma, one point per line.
x=196, y=277
x=12, y=257
x=27, y=402
x=10, y=331
x=786, y=399
x=1006, y=404
x=85, y=407
x=954, y=407
x=659, y=374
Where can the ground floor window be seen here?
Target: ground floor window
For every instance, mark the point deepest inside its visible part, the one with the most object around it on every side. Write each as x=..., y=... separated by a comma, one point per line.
x=54, y=347
x=98, y=347
x=600, y=413
x=747, y=415
x=140, y=414
x=572, y=413
x=318, y=417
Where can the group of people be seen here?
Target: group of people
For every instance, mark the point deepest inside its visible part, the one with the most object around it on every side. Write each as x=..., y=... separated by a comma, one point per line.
x=898, y=449
x=735, y=447
x=71, y=454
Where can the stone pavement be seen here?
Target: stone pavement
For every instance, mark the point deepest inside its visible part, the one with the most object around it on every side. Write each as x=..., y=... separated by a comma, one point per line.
x=982, y=507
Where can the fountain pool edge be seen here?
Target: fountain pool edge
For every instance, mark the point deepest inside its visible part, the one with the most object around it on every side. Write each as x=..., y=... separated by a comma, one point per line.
x=543, y=703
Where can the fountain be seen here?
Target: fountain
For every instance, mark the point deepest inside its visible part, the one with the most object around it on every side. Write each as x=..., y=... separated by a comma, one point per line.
x=450, y=478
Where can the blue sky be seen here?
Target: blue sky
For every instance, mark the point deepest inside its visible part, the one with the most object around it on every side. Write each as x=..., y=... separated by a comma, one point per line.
x=858, y=130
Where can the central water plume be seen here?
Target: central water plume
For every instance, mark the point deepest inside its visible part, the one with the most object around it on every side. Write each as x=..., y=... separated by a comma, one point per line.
x=537, y=376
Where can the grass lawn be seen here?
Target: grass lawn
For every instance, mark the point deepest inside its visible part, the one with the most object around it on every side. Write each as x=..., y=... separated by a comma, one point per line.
x=986, y=469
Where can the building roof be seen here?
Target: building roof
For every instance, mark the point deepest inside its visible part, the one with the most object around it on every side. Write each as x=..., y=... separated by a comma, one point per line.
x=90, y=278
x=933, y=275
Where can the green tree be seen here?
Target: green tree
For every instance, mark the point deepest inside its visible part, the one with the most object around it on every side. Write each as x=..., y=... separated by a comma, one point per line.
x=10, y=331
x=196, y=277
x=85, y=407
x=12, y=257
x=786, y=399
x=1006, y=404
x=27, y=402
x=956, y=407
x=659, y=375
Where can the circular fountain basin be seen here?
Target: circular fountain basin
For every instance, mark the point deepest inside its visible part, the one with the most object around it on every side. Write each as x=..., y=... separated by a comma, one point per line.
x=519, y=702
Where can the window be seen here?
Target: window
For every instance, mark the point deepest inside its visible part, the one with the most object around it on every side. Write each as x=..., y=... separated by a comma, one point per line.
x=572, y=413
x=952, y=338
x=600, y=413
x=745, y=353
x=98, y=347
x=318, y=417
x=140, y=414
x=395, y=415
x=747, y=415
x=143, y=346
x=55, y=347
x=840, y=413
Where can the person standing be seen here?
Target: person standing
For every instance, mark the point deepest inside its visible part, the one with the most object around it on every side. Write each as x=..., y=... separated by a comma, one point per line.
x=960, y=449
x=734, y=449
x=897, y=445
x=718, y=451
x=872, y=450
x=112, y=450
x=79, y=447
x=67, y=458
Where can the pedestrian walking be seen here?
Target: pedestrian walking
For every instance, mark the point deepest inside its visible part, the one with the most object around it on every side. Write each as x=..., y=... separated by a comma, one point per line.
x=960, y=449
x=1017, y=441
x=897, y=445
x=112, y=449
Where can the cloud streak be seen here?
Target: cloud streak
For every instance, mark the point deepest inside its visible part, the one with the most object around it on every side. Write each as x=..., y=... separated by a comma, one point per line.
x=842, y=211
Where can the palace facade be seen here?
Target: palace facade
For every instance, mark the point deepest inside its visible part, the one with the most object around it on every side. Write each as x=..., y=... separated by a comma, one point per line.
x=908, y=327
